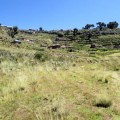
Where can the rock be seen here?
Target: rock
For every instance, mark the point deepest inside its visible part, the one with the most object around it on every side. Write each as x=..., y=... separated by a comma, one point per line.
x=56, y=46
x=117, y=46
x=16, y=42
x=93, y=46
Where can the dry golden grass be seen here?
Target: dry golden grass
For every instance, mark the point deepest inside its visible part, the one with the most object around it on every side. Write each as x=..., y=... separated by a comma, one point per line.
x=61, y=90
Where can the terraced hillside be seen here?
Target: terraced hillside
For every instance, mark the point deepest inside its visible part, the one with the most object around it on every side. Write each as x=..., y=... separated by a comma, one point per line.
x=77, y=83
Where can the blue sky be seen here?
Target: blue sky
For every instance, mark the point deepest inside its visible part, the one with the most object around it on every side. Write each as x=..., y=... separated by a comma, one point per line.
x=57, y=14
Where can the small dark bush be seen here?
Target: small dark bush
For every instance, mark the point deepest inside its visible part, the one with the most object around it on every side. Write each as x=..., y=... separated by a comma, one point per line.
x=103, y=103
x=71, y=50
x=42, y=56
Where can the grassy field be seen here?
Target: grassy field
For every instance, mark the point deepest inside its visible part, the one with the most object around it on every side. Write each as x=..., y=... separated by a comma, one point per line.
x=37, y=83
x=59, y=85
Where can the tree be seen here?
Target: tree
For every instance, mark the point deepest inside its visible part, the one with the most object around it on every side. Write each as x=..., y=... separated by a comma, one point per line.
x=112, y=25
x=101, y=25
x=88, y=26
x=13, y=31
x=40, y=29
x=75, y=30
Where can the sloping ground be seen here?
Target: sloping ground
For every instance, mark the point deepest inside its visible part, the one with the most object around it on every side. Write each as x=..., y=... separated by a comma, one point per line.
x=79, y=85
x=85, y=87
x=4, y=34
x=39, y=38
x=16, y=50
x=28, y=41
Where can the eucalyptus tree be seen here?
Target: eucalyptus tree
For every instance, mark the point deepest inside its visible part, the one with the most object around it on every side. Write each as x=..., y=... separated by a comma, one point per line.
x=101, y=25
x=112, y=25
x=75, y=31
x=88, y=26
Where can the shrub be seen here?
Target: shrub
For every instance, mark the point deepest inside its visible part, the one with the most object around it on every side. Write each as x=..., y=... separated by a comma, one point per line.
x=13, y=31
x=71, y=50
x=41, y=56
x=60, y=34
x=103, y=102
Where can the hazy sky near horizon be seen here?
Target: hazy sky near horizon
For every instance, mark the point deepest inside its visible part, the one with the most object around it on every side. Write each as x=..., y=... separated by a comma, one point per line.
x=57, y=14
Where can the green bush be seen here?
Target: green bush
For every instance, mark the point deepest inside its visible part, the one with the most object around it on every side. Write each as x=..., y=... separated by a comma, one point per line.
x=42, y=56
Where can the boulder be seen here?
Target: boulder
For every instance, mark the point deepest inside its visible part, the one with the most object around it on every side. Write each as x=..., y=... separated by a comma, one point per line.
x=56, y=46
x=93, y=46
x=62, y=39
x=16, y=42
x=117, y=46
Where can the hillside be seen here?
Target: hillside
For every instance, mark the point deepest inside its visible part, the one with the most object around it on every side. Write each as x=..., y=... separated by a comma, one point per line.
x=78, y=39
x=58, y=76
